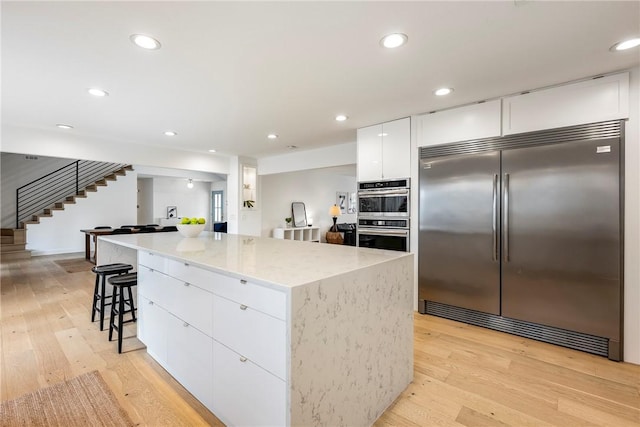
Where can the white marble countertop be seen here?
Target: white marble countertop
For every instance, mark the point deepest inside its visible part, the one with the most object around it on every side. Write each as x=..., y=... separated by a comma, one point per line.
x=279, y=262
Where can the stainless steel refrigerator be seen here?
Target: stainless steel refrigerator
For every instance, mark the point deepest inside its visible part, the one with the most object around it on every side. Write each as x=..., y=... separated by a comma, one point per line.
x=524, y=234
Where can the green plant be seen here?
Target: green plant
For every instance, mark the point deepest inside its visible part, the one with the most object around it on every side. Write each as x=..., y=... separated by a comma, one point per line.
x=248, y=203
x=289, y=219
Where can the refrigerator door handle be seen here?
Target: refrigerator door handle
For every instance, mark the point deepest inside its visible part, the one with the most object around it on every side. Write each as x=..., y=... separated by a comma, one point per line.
x=495, y=217
x=505, y=231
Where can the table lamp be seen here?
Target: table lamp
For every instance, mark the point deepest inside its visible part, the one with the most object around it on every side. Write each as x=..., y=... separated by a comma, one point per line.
x=334, y=211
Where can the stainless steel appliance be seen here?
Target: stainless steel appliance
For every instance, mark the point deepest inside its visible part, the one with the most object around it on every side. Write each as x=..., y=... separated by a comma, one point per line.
x=384, y=198
x=384, y=233
x=383, y=214
x=523, y=234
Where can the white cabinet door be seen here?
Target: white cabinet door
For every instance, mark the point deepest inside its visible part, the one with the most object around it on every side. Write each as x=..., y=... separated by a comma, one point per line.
x=245, y=394
x=466, y=123
x=155, y=322
x=596, y=100
x=396, y=149
x=370, y=153
x=255, y=335
x=190, y=359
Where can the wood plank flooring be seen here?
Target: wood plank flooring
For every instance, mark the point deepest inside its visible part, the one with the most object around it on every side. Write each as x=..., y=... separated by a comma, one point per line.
x=464, y=375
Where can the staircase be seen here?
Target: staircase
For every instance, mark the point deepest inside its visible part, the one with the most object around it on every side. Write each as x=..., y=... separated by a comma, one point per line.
x=13, y=245
x=41, y=198
x=50, y=193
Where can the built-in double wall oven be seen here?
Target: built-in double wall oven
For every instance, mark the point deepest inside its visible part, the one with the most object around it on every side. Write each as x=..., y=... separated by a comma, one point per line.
x=383, y=214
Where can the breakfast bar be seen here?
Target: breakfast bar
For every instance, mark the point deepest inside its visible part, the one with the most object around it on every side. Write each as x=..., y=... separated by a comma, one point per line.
x=266, y=331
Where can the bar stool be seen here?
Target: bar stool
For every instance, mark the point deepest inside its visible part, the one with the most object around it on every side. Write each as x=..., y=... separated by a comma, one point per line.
x=120, y=284
x=99, y=297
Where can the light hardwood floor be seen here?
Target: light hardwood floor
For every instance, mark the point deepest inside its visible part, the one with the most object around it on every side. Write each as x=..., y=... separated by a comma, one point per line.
x=464, y=375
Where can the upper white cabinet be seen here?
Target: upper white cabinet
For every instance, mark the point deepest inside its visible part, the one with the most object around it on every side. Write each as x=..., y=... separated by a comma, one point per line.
x=596, y=100
x=459, y=124
x=384, y=151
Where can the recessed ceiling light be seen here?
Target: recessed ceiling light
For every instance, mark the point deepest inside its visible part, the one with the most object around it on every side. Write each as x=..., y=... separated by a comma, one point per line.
x=170, y=133
x=145, y=42
x=212, y=151
x=190, y=183
x=443, y=91
x=394, y=40
x=272, y=136
x=63, y=126
x=341, y=117
x=627, y=44
x=97, y=92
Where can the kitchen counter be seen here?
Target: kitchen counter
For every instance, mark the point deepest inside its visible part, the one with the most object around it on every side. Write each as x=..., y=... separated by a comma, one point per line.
x=270, y=261
x=346, y=322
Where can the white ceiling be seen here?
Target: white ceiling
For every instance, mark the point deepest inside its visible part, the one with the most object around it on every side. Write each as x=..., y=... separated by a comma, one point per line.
x=229, y=73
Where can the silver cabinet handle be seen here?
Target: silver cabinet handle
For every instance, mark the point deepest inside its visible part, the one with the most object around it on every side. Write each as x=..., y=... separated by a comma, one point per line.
x=186, y=264
x=150, y=302
x=243, y=359
x=187, y=284
x=243, y=307
x=151, y=270
x=505, y=231
x=495, y=218
x=244, y=282
x=185, y=324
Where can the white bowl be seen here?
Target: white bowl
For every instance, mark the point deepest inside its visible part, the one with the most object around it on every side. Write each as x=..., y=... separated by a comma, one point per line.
x=190, y=230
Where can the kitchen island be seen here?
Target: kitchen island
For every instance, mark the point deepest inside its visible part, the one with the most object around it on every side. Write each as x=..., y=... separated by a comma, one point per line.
x=275, y=332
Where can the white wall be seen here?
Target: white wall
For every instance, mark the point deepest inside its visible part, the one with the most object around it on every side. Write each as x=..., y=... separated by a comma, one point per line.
x=15, y=171
x=233, y=195
x=74, y=145
x=316, y=188
x=191, y=202
x=113, y=205
x=632, y=225
x=335, y=155
x=145, y=201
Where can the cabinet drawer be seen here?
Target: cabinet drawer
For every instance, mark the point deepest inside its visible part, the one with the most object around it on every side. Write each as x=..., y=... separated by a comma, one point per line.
x=153, y=261
x=258, y=297
x=245, y=394
x=184, y=300
x=194, y=306
x=155, y=286
x=253, y=334
x=261, y=298
x=190, y=273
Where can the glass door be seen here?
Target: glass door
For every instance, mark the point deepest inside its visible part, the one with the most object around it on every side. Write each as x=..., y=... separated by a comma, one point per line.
x=217, y=206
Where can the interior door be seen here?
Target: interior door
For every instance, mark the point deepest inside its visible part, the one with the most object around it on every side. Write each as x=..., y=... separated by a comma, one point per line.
x=458, y=241
x=561, y=236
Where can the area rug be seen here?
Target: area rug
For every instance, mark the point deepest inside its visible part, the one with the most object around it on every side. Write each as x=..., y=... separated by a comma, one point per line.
x=82, y=401
x=74, y=265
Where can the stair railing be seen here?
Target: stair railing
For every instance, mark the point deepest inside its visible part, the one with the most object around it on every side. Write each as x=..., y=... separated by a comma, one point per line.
x=55, y=187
